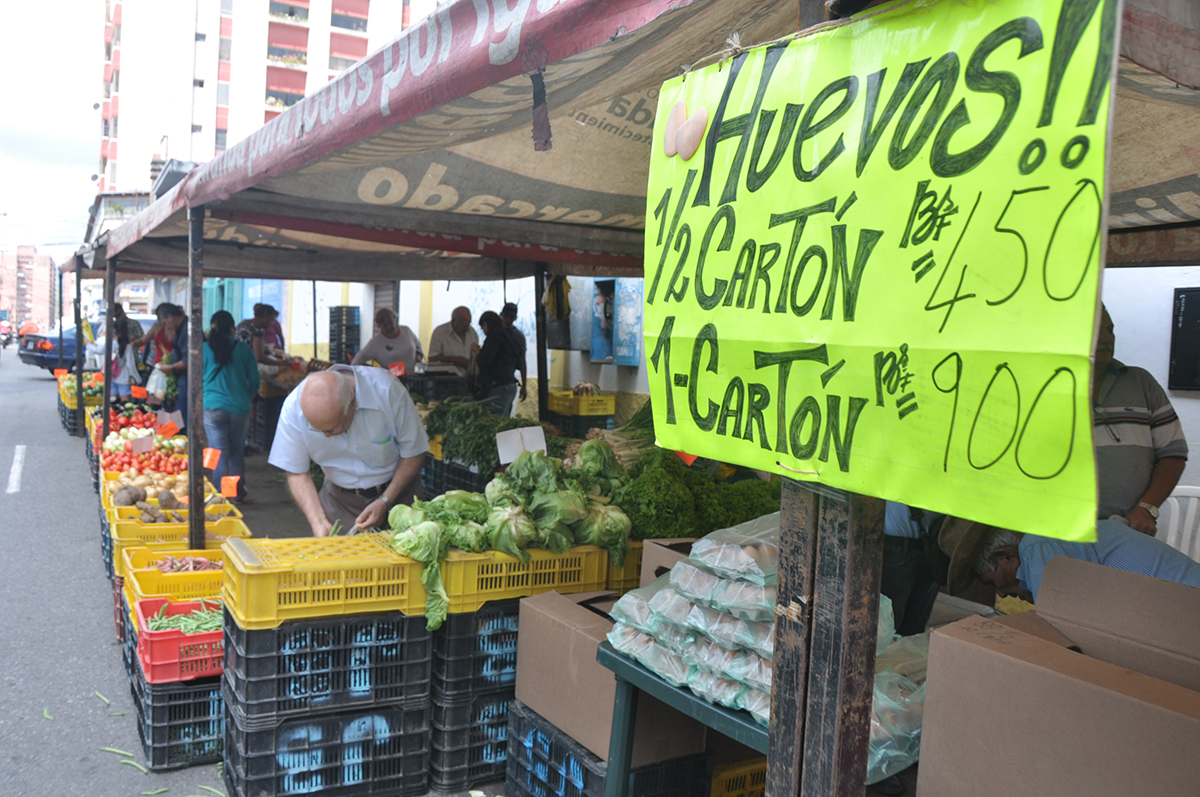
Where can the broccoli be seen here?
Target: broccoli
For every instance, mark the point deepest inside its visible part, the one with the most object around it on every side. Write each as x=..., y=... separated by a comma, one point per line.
x=751, y=498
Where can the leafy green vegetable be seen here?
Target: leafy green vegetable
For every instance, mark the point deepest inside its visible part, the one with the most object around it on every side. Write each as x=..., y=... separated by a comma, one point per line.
x=468, y=506
x=533, y=471
x=402, y=517
x=547, y=510
x=501, y=492
x=606, y=526
x=426, y=542
x=658, y=505
x=510, y=531
x=467, y=535
x=596, y=458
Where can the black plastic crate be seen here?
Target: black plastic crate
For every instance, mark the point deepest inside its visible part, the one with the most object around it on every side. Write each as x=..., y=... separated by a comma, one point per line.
x=348, y=312
x=379, y=751
x=460, y=477
x=475, y=653
x=578, y=425
x=469, y=742
x=106, y=543
x=436, y=388
x=130, y=642
x=181, y=724
x=332, y=663
x=545, y=762
x=433, y=478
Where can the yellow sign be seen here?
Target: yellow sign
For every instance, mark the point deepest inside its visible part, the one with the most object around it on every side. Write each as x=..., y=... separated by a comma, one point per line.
x=873, y=256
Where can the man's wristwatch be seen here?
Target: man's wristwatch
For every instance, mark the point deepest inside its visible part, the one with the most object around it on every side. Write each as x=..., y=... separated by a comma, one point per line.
x=1151, y=508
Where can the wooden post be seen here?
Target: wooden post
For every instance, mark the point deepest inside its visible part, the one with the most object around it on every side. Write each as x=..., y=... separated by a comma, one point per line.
x=831, y=557
x=543, y=372
x=195, y=382
x=110, y=294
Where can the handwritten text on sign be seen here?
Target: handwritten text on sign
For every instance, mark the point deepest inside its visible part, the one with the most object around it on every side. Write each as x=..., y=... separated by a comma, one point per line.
x=873, y=255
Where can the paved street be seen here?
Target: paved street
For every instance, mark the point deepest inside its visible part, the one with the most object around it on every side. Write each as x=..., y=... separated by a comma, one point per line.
x=57, y=639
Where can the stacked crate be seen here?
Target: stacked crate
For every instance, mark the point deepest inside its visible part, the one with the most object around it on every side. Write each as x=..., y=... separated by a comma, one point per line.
x=345, y=333
x=326, y=680
x=175, y=678
x=545, y=762
x=474, y=682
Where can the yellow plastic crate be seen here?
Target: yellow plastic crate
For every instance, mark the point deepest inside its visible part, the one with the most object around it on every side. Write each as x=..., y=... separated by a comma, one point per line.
x=268, y=582
x=565, y=402
x=167, y=537
x=473, y=579
x=740, y=778
x=118, y=513
x=627, y=576
x=435, y=446
x=143, y=580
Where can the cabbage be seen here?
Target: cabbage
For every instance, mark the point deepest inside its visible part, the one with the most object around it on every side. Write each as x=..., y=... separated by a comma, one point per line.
x=607, y=527
x=510, y=530
x=426, y=542
x=403, y=517
x=468, y=506
x=561, y=506
x=533, y=471
x=500, y=492
x=596, y=458
x=556, y=539
x=467, y=535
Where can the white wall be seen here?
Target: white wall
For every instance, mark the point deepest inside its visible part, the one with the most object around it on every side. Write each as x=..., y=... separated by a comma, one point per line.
x=299, y=316
x=1140, y=301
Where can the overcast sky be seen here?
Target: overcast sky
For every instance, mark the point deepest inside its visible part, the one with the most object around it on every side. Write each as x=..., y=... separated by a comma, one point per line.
x=52, y=56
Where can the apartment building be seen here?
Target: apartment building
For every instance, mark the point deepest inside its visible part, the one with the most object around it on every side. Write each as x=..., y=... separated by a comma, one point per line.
x=27, y=285
x=185, y=80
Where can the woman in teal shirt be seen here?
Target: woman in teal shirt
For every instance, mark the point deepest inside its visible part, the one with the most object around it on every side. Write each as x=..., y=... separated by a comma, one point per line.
x=230, y=382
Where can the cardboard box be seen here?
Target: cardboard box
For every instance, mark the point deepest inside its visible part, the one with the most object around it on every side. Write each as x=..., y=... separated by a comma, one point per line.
x=1011, y=708
x=659, y=556
x=558, y=677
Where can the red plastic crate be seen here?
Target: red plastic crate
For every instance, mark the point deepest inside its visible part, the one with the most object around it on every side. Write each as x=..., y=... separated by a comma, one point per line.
x=172, y=655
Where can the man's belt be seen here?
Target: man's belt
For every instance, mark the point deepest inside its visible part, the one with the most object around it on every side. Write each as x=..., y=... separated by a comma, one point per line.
x=365, y=492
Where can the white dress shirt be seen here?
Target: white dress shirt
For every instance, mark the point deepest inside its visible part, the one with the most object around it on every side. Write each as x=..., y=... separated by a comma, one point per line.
x=443, y=341
x=386, y=428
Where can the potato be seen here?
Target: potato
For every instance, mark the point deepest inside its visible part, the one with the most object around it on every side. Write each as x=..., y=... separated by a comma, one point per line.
x=180, y=491
x=143, y=481
x=113, y=487
x=129, y=496
x=167, y=500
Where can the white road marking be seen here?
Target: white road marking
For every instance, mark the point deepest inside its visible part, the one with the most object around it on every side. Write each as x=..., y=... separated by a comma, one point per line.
x=14, y=475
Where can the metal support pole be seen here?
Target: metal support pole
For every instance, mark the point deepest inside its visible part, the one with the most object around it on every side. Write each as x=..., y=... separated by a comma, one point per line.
x=60, y=318
x=314, y=282
x=195, y=382
x=543, y=376
x=79, y=322
x=110, y=293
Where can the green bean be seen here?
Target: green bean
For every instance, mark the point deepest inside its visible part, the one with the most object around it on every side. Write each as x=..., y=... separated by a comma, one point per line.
x=116, y=713
x=46, y=714
x=156, y=791
x=102, y=697
x=214, y=791
x=337, y=528
x=200, y=621
x=115, y=750
x=133, y=763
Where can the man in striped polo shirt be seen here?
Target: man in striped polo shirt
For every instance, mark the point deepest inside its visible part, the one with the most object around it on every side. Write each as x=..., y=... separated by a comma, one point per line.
x=1139, y=443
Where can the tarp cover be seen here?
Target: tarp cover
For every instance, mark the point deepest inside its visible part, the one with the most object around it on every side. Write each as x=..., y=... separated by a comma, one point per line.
x=518, y=130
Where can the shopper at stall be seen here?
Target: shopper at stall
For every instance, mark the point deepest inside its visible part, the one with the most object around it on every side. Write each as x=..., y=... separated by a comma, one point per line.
x=508, y=314
x=252, y=332
x=361, y=427
x=454, y=342
x=1013, y=562
x=393, y=343
x=175, y=330
x=497, y=360
x=124, y=367
x=1140, y=448
x=230, y=382
x=913, y=565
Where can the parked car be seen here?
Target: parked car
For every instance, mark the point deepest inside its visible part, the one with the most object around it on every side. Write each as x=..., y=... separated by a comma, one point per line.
x=42, y=349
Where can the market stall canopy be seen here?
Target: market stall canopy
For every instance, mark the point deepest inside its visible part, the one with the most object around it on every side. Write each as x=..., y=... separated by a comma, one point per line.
x=488, y=137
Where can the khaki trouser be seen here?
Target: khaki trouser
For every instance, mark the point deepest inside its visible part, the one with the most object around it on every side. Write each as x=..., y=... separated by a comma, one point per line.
x=346, y=505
